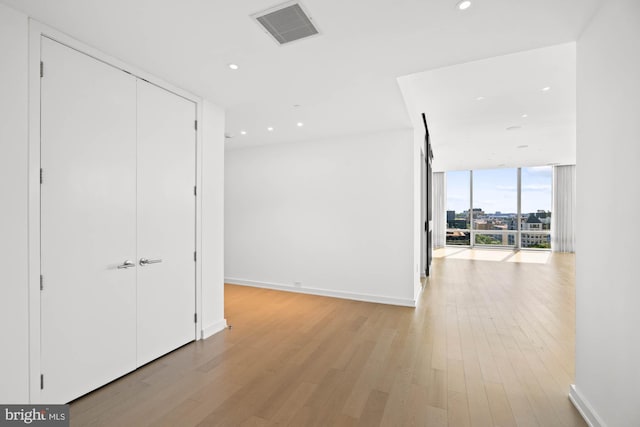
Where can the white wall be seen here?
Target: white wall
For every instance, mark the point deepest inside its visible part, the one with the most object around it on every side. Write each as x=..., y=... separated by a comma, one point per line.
x=212, y=194
x=418, y=134
x=608, y=196
x=14, y=314
x=335, y=215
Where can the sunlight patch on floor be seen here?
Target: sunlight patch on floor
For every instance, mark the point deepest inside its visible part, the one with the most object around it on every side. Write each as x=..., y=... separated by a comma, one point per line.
x=483, y=255
x=496, y=255
x=446, y=251
x=531, y=257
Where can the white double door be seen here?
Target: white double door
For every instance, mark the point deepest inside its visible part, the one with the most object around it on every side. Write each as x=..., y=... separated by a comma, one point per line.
x=118, y=161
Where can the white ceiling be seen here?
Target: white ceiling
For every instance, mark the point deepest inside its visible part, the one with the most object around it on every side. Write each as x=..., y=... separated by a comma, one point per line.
x=345, y=79
x=475, y=110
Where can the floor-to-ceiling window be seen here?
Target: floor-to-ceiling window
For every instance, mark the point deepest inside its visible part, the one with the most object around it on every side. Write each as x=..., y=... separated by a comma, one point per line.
x=536, y=207
x=458, y=202
x=500, y=207
x=495, y=207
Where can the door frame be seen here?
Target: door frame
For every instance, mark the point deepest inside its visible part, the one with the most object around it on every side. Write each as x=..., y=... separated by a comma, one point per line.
x=423, y=212
x=38, y=30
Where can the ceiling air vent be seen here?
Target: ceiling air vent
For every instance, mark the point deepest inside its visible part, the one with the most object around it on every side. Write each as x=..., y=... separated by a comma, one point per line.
x=286, y=23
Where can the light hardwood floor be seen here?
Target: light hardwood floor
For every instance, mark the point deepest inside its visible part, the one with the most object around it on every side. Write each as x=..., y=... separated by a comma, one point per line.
x=490, y=344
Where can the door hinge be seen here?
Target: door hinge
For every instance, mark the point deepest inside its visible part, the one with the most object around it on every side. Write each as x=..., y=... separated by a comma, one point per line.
x=195, y=317
x=194, y=257
x=41, y=282
x=41, y=382
x=41, y=69
x=40, y=175
x=195, y=191
x=195, y=124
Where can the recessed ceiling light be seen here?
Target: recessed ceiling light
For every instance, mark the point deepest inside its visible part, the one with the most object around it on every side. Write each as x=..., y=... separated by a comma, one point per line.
x=524, y=116
x=523, y=146
x=464, y=4
x=300, y=124
x=480, y=98
x=243, y=132
x=270, y=129
x=546, y=89
x=233, y=66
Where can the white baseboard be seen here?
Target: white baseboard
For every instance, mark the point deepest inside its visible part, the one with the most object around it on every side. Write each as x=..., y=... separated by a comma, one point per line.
x=585, y=409
x=322, y=292
x=212, y=329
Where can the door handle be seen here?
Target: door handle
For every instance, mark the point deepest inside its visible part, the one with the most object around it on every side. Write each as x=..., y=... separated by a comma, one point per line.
x=127, y=264
x=145, y=261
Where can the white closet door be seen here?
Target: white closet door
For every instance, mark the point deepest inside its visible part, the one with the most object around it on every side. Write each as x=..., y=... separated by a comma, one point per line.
x=88, y=215
x=166, y=221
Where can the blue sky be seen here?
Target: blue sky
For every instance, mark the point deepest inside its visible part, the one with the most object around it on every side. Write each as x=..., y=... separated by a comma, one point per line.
x=495, y=189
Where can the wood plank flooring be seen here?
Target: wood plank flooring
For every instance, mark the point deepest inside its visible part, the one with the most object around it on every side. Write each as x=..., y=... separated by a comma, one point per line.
x=490, y=344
